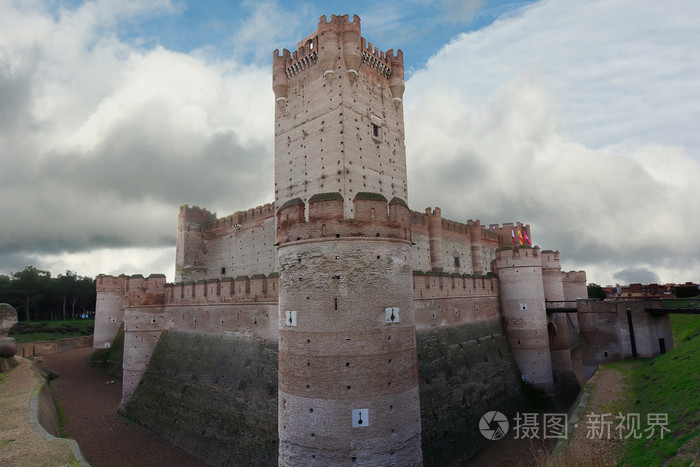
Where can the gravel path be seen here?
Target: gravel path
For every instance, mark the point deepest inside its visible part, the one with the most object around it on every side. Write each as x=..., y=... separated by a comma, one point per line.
x=584, y=446
x=589, y=443
x=90, y=407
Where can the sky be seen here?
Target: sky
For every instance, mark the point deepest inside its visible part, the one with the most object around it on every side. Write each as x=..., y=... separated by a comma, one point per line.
x=578, y=118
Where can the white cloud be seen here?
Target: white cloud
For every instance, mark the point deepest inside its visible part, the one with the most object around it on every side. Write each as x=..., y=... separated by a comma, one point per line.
x=573, y=117
x=100, y=142
x=111, y=261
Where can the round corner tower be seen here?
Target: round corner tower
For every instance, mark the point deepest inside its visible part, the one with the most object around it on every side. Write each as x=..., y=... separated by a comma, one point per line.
x=109, y=309
x=348, y=372
x=524, y=314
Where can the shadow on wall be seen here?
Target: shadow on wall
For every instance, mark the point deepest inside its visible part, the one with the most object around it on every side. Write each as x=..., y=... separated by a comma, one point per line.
x=111, y=359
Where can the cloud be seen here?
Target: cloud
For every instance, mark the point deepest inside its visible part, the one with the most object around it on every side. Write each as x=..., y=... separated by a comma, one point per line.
x=636, y=275
x=532, y=119
x=100, y=141
x=575, y=117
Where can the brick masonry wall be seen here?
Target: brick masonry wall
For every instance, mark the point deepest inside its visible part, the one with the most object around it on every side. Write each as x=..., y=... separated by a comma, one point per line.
x=342, y=353
x=248, y=250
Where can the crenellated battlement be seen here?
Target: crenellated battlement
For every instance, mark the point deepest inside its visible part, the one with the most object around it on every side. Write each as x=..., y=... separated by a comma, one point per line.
x=197, y=214
x=506, y=231
x=107, y=283
x=439, y=286
x=573, y=276
x=135, y=290
x=240, y=218
x=382, y=62
x=374, y=217
x=138, y=291
x=550, y=259
x=242, y=289
x=337, y=38
x=517, y=256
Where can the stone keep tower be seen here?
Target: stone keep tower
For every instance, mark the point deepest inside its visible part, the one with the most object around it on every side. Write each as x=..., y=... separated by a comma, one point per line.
x=348, y=373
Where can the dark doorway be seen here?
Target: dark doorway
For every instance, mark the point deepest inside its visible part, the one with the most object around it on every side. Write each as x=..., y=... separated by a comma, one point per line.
x=662, y=345
x=629, y=323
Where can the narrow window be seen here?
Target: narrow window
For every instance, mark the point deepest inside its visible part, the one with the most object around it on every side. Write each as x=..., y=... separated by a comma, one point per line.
x=375, y=130
x=223, y=271
x=335, y=303
x=456, y=261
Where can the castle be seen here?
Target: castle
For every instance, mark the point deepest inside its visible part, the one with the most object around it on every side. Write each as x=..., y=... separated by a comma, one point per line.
x=337, y=324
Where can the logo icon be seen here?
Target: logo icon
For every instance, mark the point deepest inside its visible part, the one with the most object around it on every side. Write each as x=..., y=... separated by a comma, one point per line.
x=493, y=425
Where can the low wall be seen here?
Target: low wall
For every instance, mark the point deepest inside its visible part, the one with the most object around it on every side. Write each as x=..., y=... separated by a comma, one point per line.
x=34, y=349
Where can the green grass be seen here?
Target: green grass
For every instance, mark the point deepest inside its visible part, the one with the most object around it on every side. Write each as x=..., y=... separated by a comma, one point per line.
x=61, y=418
x=51, y=330
x=667, y=384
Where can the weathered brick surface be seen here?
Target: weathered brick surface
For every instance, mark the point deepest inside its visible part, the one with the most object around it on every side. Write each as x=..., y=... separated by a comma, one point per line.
x=342, y=354
x=214, y=395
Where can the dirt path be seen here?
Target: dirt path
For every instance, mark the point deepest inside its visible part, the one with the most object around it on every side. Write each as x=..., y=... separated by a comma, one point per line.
x=592, y=442
x=90, y=408
x=588, y=442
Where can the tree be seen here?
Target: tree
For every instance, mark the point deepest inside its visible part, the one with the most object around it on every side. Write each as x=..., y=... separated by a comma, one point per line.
x=31, y=285
x=68, y=289
x=686, y=291
x=41, y=296
x=596, y=291
x=5, y=284
x=76, y=291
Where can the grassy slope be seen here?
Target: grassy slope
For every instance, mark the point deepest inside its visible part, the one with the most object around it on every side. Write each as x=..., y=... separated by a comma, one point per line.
x=666, y=384
x=51, y=330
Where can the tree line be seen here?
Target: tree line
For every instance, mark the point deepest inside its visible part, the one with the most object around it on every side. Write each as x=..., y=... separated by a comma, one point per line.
x=38, y=296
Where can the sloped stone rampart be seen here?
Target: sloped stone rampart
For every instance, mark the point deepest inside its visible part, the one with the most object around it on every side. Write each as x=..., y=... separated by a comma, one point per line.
x=464, y=372
x=214, y=396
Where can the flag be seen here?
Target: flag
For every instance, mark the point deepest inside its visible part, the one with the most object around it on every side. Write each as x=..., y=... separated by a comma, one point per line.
x=512, y=232
x=520, y=237
x=526, y=238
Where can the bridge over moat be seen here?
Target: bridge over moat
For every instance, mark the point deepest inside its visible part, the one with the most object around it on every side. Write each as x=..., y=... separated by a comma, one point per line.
x=656, y=306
